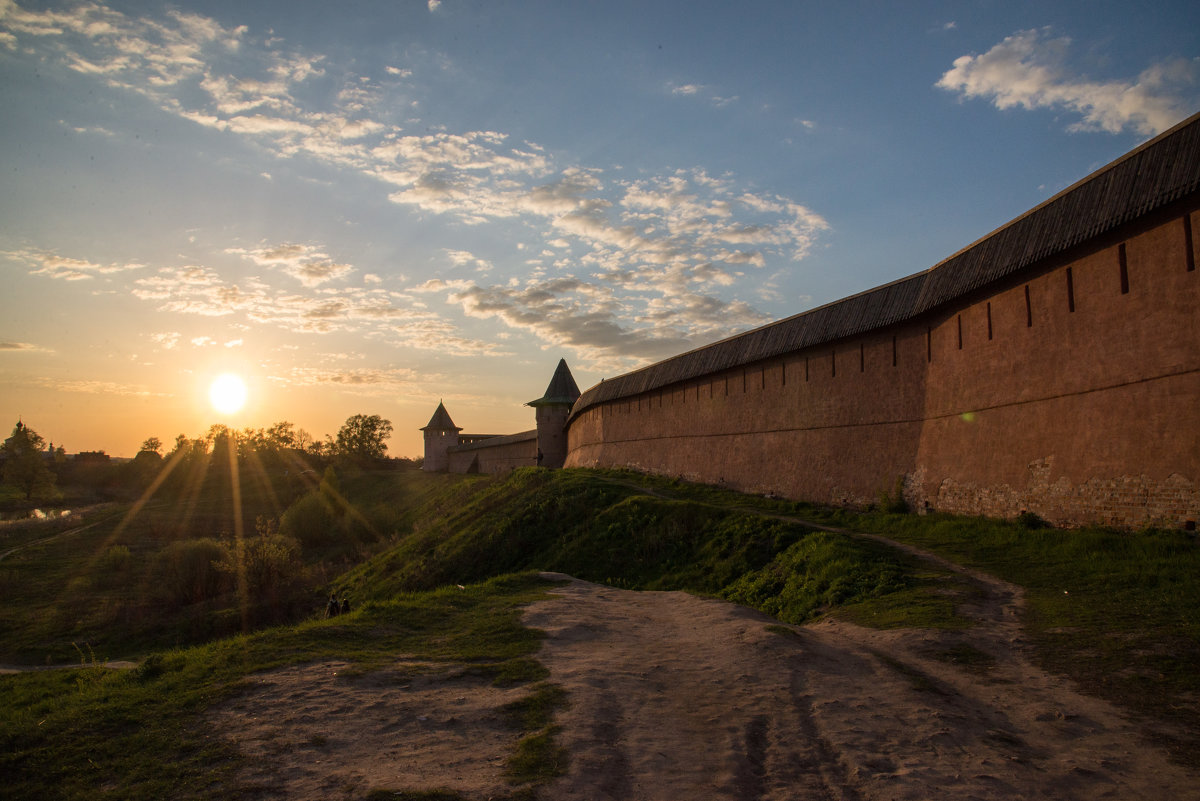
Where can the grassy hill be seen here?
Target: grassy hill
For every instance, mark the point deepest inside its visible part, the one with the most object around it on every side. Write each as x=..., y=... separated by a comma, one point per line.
x=438, y=566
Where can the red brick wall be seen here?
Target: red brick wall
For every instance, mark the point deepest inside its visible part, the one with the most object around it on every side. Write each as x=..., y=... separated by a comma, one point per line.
x=1080, y=416
x=496, y=458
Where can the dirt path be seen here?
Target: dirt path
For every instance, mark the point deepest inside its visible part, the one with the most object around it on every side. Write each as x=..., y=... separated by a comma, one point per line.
x=678, y=697
x=674, y=696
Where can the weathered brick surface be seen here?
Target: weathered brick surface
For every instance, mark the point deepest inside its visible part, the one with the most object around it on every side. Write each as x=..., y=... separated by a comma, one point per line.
x=1056, y=394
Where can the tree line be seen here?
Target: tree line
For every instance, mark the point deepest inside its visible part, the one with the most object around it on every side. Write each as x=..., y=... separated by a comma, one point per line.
x=33, y=470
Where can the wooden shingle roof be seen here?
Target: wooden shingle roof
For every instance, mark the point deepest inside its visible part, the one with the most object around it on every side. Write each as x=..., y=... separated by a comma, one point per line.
x=562, y=390
x=1163, y=170
x=440, y=421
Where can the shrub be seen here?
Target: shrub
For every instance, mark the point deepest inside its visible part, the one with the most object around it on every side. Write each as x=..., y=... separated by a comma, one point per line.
x=187, y=572
x=311, y=521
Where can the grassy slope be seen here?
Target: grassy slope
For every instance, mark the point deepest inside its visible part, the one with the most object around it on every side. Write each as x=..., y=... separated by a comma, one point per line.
x=1125, y=627
x=604, y=527
x=99, y=734
x=63, y=587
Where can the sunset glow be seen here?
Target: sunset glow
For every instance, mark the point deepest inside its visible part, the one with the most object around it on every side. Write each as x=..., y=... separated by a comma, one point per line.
x=371, y=208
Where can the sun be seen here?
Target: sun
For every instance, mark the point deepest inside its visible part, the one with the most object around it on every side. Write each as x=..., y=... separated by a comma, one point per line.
x=227, y=393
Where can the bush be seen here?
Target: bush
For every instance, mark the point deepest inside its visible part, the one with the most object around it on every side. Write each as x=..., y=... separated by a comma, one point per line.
x=270, y=565
x=311, y=521
x=188, y=572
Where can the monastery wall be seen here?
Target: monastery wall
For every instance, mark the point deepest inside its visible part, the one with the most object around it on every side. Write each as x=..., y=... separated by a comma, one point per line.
x=494, y=454
x=1072, y=393
x=1069, y=390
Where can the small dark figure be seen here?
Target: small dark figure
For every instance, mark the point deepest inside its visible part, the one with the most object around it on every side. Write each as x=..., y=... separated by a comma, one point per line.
x=345, y=606
x=540, y=457
x=332, y=608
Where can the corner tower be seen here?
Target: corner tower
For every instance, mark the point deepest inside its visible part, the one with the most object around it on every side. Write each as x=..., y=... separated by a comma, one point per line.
x=553, y=408
x=440, y=435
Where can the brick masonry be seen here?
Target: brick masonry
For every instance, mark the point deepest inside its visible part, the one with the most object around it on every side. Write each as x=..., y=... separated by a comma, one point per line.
x=1070, y=390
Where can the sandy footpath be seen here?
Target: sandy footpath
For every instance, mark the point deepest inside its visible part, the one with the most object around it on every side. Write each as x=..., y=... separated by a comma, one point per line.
x=678, y=697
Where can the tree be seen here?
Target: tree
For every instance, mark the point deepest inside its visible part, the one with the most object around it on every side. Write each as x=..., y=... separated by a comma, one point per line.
x=283, y=435
x=361, y=437
x=25, y=462
x=152, y=445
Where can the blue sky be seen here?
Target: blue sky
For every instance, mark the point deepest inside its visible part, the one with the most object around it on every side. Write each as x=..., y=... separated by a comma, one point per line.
x=369, y=207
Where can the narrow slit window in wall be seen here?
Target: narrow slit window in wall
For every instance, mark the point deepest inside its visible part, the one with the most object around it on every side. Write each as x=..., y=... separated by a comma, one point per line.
x=893, y=350
x=833, y=363
x=1124, y=263
x=783, y=374
x=805, y=368
x=1190, y=256
x=989, y=319
x=960, y=332
x=743, y=381
x=929, y=344
x=762, y=374
x=862, y=358
x=1028, y=309
x=1070, y=291
x=727, y=386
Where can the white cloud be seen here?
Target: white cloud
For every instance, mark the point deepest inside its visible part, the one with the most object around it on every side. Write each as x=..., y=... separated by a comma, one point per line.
x=167, y=340
x=63, y=268
x=21, y=347
x=638, y=251
x=463, y=258
x=363, y=380
x=1028, y=70
x=308, y=264
x=96, y=387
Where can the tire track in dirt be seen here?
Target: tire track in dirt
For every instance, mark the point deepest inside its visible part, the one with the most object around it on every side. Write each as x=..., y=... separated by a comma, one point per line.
x=673, y=696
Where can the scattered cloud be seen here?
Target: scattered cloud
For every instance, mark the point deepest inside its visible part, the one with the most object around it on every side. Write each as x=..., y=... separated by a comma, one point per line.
x=651, y=264
x=699, y=89
x=96, y=387
x=25, y=347
x=51, y=265
x=463, y=258
x=1029, y=70
x=308, y=264
x=361, y=380
x=167, y=340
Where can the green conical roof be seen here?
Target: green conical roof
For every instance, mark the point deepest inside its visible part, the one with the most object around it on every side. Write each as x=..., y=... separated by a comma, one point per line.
x=562, y=390
x=441, y=421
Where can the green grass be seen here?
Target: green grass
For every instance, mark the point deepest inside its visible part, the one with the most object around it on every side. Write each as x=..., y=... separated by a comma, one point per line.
x=93, y=733
x=1117, y=611
x=603, y=527
x=93, y=579
x=1114, y=611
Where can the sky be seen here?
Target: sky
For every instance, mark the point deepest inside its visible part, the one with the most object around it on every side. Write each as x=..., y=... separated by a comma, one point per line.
x=371, y=207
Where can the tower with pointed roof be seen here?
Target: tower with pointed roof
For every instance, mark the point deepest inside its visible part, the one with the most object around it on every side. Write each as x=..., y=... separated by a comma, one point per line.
x=552, y=410
x=440, y=435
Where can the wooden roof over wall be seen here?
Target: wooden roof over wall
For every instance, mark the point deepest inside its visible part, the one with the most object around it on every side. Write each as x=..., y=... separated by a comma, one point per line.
x=1161, y=171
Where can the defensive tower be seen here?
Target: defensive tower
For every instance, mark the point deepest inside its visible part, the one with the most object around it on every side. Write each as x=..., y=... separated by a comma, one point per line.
x=440, y=435
x=552, y=410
